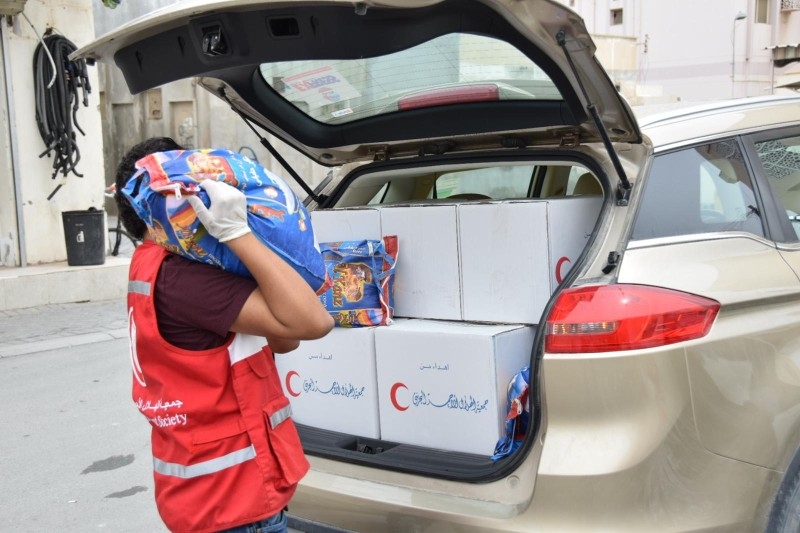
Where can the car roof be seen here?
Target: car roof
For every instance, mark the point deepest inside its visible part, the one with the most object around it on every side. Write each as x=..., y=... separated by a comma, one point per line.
x=273, y=49
x=693, y=123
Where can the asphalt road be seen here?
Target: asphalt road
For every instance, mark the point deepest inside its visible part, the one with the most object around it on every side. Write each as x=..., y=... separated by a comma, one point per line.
x=75, y=454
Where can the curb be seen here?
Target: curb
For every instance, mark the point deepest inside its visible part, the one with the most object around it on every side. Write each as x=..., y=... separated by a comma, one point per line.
x=58, y=283
x=57, y=343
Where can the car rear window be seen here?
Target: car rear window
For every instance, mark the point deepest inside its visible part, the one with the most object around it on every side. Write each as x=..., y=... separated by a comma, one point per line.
x=454, y=68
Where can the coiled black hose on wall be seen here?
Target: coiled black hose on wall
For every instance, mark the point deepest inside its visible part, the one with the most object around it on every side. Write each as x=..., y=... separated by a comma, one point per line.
x=57, y=102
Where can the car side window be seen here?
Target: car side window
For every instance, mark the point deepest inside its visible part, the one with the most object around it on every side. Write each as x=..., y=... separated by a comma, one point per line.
x=780, y=159
x=378, y=198
x=695, y=190
x=494, y=182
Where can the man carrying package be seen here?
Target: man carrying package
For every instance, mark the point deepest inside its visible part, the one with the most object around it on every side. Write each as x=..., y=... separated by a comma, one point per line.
x=226, y=454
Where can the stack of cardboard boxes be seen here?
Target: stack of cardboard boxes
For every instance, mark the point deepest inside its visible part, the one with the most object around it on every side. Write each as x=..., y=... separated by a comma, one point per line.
x=471, y=283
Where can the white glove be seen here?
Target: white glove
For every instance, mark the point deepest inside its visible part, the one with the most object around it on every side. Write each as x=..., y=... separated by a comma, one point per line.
x=226, y=218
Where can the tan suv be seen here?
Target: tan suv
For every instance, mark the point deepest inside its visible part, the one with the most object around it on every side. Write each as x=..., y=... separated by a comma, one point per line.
x=646, y=278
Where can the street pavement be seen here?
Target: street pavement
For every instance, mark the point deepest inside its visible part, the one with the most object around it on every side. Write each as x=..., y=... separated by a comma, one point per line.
x=48, y=327
x=75, y=453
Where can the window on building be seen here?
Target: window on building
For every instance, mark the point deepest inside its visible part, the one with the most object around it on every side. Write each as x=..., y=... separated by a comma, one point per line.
x=762, y=11
x=703, y=189
x=616, y=17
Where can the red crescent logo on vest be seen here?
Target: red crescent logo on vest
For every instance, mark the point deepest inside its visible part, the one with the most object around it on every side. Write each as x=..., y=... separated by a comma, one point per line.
x=135, y=366
x=559, y=266
x=393, y=396
x=289, y=376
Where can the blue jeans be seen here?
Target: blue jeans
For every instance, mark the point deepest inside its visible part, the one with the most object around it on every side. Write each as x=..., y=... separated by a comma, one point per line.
x=273, y=524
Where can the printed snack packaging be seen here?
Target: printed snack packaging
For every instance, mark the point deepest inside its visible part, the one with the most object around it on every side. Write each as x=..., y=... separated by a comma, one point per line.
x=275, y=215
x=516, y=424
x=362, y=277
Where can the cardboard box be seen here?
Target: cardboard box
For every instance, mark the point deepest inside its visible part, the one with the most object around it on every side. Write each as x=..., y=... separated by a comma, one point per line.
x=496, y=262
x=331, y=382
x=427, y=280
x=514, y=254
x=570, y=222
x=346, y=225
x=443, y=384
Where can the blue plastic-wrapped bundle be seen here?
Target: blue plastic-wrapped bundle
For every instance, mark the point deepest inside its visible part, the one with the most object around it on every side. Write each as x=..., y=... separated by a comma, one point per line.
x=275, y=215
x=518, y=415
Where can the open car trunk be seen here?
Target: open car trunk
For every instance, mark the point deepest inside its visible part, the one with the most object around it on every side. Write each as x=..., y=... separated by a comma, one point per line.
x=484, y=241
x=475, y=131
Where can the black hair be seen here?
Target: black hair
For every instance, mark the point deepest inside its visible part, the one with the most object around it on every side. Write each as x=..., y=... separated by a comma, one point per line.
x=127, y=168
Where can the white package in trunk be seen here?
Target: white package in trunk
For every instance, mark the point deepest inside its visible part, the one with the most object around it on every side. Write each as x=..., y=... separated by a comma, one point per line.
x=514, y=254
x=337, y=225
x=427, y=278
x=443, y=385
x=331, y=382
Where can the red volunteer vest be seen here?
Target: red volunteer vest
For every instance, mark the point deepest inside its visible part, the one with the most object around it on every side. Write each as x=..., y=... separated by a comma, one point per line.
x=225, y=450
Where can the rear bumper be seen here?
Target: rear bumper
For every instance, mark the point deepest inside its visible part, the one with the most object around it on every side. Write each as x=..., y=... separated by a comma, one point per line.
x=302, y=525
x=621, y=453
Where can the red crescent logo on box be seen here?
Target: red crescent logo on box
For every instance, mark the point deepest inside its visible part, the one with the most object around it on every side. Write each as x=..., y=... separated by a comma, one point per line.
x=559, y=266
x=393, y=396
x=289, y=376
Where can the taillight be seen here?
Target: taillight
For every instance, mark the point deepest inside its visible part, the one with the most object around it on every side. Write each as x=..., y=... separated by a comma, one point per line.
x=450, y=95
x=607, y=318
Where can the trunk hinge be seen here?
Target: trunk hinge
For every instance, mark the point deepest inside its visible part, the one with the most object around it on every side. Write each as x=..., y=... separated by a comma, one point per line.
x=379, y=153
x=265, y=143
x=624, y=187
x=570, y=140
x=612, y=263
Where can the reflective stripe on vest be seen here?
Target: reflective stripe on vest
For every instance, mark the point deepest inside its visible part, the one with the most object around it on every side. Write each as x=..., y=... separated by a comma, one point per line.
x=206, y=467
x=279, y=416
x=139, y=287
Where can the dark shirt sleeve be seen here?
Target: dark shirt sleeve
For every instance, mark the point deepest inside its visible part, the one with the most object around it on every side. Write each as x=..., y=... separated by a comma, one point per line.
x=196, y=304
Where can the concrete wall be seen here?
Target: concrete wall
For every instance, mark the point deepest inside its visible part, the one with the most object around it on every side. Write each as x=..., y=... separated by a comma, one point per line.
x=34, y=234
x=9, y=241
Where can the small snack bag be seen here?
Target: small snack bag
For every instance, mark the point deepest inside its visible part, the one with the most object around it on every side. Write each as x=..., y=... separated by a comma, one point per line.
x=362, y=277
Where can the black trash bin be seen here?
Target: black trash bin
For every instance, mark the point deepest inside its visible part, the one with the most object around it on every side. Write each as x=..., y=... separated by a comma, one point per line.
x=84, y=236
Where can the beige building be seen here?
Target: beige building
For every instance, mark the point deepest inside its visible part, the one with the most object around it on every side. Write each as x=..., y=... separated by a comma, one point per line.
x=687, y=51
x=658, y=53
